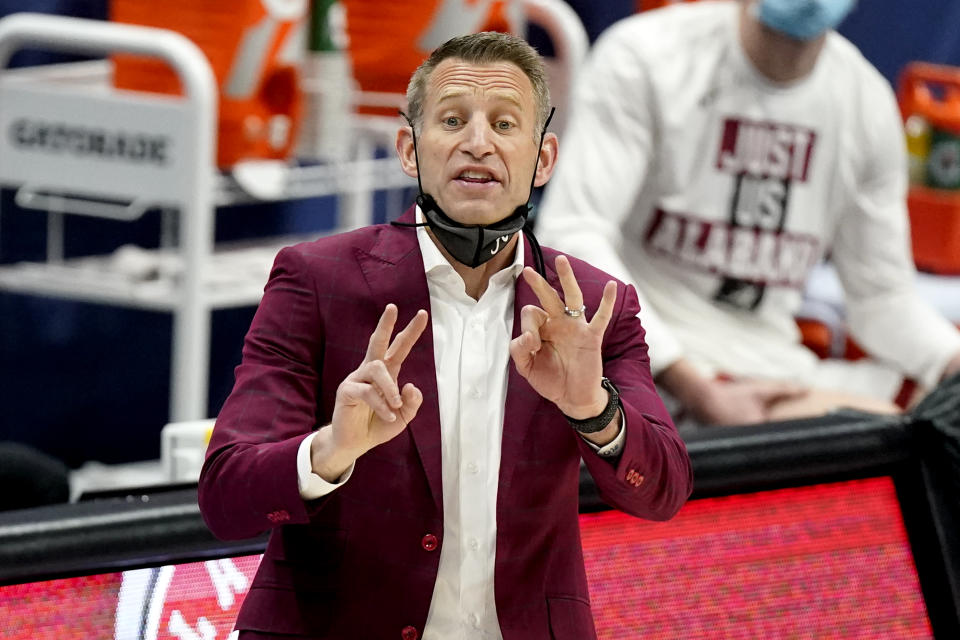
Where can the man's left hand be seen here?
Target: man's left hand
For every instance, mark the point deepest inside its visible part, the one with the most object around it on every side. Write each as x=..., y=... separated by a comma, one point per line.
x=559, y=354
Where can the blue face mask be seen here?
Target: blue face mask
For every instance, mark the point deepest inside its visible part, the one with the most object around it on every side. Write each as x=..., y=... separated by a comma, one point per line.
x=802, y=19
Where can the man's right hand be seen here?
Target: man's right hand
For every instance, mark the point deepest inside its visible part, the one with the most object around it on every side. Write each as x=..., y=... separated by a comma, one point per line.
x=370, y=407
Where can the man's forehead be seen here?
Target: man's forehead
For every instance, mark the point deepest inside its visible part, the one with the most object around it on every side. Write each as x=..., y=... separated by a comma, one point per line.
x=455, y=77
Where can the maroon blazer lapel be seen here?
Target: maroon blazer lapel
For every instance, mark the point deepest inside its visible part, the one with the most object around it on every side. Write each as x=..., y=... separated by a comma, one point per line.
x=393, y=269
x=522, y=399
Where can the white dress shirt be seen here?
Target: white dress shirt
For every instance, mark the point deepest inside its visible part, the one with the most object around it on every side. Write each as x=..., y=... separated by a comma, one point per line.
x=471, y=341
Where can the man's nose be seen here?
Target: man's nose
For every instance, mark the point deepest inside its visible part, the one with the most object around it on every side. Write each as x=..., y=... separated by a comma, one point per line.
x=478, y=138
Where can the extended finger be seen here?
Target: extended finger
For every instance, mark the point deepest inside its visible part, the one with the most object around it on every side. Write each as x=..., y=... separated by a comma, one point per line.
x=604, y=312
x=403, y=342
x=572, y=296
x=380, y=338
x=549, y=299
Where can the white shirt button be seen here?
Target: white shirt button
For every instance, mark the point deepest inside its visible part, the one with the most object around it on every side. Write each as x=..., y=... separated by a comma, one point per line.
x=475, y=620
x=476, y=392
x=474, y=544
x=472, y=467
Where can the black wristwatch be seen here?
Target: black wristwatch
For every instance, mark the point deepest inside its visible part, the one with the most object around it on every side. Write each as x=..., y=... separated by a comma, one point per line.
x=599, y=423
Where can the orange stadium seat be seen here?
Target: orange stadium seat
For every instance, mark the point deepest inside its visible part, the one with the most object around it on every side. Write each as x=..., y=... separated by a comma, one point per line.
x=254, y=51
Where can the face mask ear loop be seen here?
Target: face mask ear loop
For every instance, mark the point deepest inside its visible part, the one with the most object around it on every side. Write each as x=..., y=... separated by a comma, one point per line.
x=416, y=155
x=416, y=158
x=528, y=227
x=537, y=251
x=543, y=133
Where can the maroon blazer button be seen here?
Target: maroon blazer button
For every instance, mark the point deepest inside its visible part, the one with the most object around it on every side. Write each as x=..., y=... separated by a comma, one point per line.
x=429, y=543
x=409, y=633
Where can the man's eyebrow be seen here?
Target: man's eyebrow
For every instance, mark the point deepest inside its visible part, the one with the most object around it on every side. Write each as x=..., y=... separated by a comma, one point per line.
x=450, y=94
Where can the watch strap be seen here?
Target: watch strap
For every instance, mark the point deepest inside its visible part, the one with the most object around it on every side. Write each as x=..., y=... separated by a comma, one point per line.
x=599, y=422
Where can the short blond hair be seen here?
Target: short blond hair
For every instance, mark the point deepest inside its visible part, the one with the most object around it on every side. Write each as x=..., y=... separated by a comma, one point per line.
x=486, y=47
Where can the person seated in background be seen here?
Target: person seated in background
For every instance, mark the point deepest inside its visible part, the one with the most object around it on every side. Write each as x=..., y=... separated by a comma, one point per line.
x=715, y=153
x=426, y=483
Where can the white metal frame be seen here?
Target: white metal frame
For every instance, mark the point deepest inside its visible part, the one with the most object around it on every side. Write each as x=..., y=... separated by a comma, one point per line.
x=196, y=279
x=191, y=314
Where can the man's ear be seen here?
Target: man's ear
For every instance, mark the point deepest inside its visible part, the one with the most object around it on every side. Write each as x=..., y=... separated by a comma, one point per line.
x=547, y=161
x=406, y=151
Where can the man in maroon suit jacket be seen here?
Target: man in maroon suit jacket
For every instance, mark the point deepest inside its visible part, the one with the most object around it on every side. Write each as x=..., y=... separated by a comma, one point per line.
x=327, y=394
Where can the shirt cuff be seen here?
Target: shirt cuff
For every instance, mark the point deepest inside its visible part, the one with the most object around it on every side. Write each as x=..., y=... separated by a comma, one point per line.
x=613, y=448
x=311, y=485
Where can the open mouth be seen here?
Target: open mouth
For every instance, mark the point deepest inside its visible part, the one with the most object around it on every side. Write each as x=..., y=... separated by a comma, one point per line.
x=475, y=177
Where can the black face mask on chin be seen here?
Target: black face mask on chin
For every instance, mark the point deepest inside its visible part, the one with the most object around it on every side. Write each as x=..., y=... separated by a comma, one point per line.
x=475, y=244
x=471, y=244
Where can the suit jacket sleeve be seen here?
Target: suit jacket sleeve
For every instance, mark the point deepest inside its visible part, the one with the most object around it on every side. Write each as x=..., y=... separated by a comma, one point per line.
x=652, y=478
x=249, y=479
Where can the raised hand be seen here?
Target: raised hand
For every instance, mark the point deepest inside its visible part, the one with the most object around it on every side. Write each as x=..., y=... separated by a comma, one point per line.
x=370, y=407
x=559, y=353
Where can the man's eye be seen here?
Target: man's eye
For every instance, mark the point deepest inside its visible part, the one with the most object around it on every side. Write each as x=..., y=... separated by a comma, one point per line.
x=503, y=125
x=452, y=121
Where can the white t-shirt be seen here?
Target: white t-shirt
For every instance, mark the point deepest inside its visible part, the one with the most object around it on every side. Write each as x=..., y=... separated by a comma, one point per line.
x=686, y=172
